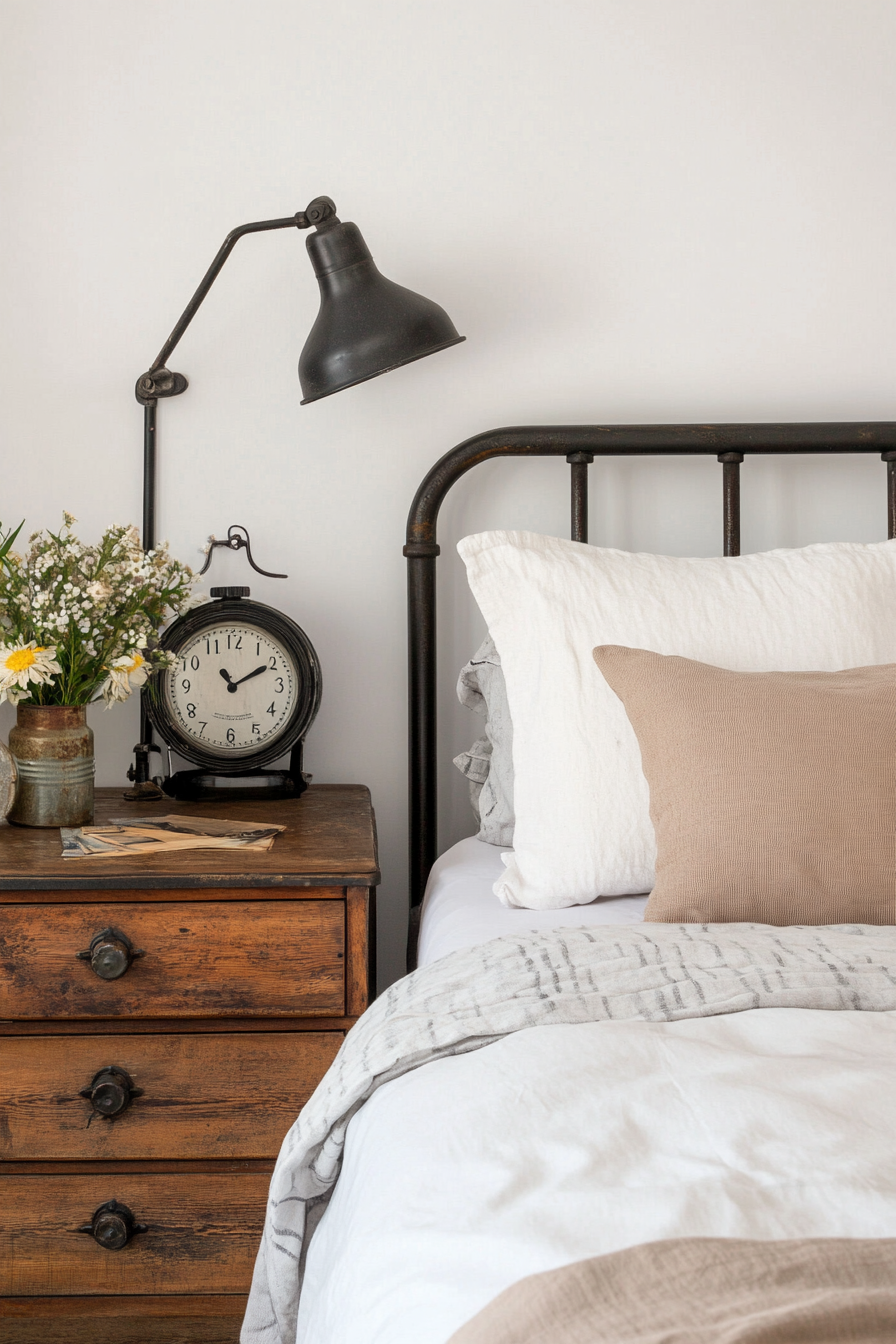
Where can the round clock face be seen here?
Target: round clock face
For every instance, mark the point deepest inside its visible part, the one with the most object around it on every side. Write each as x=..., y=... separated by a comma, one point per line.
x=244, y=691
x=234, y=688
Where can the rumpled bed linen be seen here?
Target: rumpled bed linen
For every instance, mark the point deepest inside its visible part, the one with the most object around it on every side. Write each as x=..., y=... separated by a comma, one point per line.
x=704, y=1290
x=529, y=998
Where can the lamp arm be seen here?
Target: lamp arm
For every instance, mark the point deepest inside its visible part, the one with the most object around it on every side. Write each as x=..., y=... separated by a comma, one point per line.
x=211, y=275
x=158, y=382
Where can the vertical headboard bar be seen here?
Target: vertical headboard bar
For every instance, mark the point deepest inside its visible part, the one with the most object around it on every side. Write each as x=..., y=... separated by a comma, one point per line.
x=578, y=523
x=890, y=459
x=731, y=501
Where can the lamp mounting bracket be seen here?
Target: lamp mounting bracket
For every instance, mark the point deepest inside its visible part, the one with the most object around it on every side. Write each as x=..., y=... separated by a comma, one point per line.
x=160, y=382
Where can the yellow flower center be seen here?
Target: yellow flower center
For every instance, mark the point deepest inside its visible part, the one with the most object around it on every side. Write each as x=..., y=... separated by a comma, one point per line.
x=137, y=661
x=21, y=659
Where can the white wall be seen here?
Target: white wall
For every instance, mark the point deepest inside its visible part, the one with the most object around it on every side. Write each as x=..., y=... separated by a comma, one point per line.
x=636, y=210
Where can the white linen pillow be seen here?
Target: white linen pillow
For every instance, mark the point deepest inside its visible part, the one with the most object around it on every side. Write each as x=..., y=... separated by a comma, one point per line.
x=583, y=826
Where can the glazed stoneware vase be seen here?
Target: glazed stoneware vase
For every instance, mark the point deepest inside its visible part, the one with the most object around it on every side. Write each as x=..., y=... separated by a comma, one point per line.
x=52, y=747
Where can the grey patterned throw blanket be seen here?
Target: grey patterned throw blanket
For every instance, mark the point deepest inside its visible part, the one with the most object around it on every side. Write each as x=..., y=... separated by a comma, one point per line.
x=651, y=972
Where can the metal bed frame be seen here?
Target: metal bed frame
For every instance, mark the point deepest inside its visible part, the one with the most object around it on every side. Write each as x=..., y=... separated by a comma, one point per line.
x=579, y=444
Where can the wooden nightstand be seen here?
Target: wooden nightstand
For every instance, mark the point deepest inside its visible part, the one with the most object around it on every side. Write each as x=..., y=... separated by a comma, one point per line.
x=251, y=969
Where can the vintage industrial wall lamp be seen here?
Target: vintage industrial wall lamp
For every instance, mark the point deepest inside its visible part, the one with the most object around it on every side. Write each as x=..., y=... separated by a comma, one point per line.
x=366, y=325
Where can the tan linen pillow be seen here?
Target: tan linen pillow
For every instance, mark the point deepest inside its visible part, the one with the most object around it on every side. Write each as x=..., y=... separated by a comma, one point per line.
x=772, y=794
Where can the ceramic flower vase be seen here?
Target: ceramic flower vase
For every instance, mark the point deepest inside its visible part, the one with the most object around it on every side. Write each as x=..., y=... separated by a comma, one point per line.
x=52, y=747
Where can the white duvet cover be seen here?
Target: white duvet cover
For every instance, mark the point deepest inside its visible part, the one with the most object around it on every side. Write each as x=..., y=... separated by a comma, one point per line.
x=561, y=1142
x=612, y=1094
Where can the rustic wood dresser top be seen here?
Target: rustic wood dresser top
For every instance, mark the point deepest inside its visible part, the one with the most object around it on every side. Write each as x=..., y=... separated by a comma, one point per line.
x=329, y=838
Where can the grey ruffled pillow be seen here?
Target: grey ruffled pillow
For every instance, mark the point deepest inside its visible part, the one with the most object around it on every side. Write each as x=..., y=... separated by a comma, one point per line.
x=488, y=764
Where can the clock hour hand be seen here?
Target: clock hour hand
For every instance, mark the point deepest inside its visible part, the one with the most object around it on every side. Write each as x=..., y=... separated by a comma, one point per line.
x=232, y=685
x=226, y=676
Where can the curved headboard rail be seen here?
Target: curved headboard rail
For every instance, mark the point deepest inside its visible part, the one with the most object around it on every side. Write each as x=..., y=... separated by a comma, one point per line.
x=579, y=444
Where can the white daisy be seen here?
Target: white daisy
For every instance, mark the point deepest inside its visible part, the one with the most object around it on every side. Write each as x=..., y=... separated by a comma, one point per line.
x=23, y=665
x=125, y=675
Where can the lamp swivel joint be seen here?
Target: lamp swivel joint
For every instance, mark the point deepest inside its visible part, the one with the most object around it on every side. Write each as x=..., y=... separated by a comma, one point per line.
x=157, y=383
x=321, y=213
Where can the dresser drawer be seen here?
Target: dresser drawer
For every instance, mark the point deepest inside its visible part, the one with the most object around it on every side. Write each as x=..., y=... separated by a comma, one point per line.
x=200, y=959
x=202, y=1233
x=122, y=1320
x=215, y=1096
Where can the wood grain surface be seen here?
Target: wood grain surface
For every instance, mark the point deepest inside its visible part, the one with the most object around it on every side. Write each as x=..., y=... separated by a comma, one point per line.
x=122, y=1026
x=122, y=1320
x=360, y=942
x=201, y=959
x=100, y=1308
x=103, y=895
x=133, y=1328
x=203, y=1096
x=330, y=839
x=203, y=1233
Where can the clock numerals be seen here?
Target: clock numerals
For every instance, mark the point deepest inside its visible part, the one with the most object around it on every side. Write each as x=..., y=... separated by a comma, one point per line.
x=243, y=689
x=220, y=677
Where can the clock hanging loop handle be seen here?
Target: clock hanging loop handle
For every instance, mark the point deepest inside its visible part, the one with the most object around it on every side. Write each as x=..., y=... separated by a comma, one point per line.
x=237, y=539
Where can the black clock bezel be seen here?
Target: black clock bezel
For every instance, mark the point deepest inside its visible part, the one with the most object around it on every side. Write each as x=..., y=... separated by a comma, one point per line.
x=221, y=611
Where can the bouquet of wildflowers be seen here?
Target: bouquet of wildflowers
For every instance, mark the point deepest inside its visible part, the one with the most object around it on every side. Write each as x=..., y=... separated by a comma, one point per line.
x=80, y=622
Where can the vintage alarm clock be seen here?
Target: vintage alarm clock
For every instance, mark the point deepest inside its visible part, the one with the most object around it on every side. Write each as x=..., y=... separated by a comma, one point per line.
x=244, y=692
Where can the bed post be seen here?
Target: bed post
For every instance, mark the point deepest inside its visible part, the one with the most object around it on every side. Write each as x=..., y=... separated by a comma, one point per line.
x=421, y=557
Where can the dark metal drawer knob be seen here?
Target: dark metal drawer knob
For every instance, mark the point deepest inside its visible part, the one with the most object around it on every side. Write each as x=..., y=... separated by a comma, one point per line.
x=112, y=1226
x=110, y=954
x=111, y=1091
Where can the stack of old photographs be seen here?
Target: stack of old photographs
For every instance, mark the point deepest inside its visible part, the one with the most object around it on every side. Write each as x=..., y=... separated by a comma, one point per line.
x=123, y=836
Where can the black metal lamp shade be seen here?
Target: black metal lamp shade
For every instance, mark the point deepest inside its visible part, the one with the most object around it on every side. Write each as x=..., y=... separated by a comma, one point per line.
x=366, y=324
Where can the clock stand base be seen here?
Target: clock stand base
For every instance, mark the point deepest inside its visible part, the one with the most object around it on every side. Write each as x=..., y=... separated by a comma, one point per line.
x=201, y=786
x=206, y=786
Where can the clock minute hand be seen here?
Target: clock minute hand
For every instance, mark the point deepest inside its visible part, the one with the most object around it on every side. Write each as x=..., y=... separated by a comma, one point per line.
x=257, y=673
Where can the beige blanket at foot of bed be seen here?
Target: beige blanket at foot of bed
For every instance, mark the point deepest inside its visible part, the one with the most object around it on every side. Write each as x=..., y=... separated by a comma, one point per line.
x=704, y=1290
